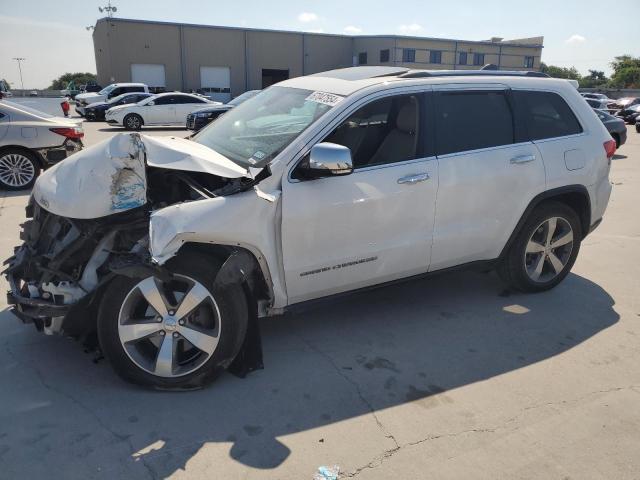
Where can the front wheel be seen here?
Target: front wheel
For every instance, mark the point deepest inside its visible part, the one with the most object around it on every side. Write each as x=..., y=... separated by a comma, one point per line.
x=179, y=333
x=18, y=169
x=545, y=249
x=133, y=122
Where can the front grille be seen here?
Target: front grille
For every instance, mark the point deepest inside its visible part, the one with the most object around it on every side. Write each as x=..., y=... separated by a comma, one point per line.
x=191, y=121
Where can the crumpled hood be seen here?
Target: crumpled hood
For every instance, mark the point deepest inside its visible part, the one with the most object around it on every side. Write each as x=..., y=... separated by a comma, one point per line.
x=110, y=177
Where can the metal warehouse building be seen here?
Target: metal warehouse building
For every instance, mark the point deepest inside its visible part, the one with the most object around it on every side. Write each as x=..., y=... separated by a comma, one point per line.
x=226, y=61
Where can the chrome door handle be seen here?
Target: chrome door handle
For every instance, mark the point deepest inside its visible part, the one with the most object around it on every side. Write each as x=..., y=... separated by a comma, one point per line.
x=523, y=159
x=411, y=179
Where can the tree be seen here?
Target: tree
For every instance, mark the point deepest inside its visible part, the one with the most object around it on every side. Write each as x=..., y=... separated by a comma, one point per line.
x=595, y=79
x=626, y=72
x=78, y=79
x=560, y=72
x=4, y=85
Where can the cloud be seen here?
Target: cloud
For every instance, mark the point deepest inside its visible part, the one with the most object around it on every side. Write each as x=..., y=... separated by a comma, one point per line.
x=575, y=39
x=409, y=29
x=314, y=30
x=306, y=17
x=352, y=30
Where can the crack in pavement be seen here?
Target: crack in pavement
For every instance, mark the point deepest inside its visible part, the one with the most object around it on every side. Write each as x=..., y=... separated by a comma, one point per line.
x=120, y=437
x=379, y=459
x=353, y=383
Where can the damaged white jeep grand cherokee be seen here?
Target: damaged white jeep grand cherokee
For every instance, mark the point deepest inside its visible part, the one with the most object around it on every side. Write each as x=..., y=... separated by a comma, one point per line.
x=167, y=250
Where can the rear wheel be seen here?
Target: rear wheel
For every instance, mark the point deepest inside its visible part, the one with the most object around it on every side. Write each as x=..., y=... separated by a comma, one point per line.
x=133, y=121
x=545, y=249
x=18, y=169
x=174, y=334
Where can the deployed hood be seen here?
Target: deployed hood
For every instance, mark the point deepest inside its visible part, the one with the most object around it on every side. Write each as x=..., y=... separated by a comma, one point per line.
x=110, y=177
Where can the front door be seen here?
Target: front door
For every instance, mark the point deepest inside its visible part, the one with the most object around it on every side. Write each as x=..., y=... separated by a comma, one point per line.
x=163, y=112
x=375, y=225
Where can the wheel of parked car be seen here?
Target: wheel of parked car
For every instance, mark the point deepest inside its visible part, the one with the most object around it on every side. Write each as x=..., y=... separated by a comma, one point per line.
x=18, y=169
x=90, y=116
x=544, y=250
x=179, y=333
x=133, y=121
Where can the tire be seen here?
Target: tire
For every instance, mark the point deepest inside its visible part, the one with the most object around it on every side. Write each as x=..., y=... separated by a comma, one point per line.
x=518, y=267
x=27, y=167
x=133, y=121
x=91, y=117
x=638, y=127
x=616, y=137
x=128, y=358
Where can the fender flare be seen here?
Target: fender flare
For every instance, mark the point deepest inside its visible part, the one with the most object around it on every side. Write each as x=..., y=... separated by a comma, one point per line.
x=555, y=193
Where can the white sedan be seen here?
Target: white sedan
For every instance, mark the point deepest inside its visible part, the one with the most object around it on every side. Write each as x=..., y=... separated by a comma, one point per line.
x=163, y=109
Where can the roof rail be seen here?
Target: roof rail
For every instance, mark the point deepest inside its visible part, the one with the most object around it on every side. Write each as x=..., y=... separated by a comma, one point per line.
x=468, y=73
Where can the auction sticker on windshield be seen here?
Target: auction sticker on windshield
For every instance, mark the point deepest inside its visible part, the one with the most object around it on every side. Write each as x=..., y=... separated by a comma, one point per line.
x=325, y=98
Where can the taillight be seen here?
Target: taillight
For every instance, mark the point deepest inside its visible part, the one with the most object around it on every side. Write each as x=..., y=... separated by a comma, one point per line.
x=72, y=133
x=610, y=148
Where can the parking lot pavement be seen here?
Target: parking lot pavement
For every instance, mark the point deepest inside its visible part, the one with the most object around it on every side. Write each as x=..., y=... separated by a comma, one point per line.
x=449, y=377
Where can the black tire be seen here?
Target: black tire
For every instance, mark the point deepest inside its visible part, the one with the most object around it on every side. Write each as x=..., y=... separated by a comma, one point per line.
x=512, y=268
x=90, y=116
x=234, y=315
x=133, y=121
x=33, y=162
x=616, y=137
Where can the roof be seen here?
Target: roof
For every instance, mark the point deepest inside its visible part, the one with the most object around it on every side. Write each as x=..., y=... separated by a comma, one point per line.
x=527, y=42
x=349, y=80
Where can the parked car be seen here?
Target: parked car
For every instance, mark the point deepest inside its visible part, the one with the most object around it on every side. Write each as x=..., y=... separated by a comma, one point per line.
x=95, y=111
x=316, y=186
x=629, y=114
x=107, y=93
x=625, y=102
x=597, y=96
x=638, y=124
x=200, y=118
x=91, y=87
x=31, y=141
x=33, y=93
x=615, y=127
x=169, y=108
x=597, y=104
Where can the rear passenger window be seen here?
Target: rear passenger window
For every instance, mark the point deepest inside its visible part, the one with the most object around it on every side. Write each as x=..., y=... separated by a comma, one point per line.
x=547, y=115
x=470, y=120
x=384, y=131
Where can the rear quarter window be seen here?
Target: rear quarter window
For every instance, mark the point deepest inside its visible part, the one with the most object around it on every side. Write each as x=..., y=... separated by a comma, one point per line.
x=546, y=114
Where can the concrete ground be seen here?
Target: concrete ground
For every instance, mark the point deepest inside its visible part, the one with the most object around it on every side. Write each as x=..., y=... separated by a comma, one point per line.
x=449, y=377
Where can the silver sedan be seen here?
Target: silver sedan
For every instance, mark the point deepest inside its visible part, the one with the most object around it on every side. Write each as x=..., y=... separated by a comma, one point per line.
x=31, y=141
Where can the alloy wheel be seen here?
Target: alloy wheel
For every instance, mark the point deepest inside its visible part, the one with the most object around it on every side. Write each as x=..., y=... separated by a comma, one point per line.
x=169, y=329
x=133, y=122
x=548, y=250
x=16, y=170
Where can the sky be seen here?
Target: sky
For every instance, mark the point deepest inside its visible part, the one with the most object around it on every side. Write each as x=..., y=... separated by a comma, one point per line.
x=52, y=35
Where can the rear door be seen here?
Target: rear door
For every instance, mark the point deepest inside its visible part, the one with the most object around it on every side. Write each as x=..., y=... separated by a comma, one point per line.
x=185, y=104
x=163, y=111
x=488, y=173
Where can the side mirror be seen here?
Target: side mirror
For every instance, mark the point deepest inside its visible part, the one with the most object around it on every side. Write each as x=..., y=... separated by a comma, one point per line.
x=327, y=160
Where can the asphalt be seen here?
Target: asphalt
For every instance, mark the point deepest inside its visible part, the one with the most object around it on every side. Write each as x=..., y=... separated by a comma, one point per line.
x=449, y=377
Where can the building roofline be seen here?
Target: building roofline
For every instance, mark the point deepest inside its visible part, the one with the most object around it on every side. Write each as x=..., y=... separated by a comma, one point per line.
x=298, y=32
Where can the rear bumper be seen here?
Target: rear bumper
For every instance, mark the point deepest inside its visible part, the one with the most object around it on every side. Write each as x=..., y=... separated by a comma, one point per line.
x=623, y=136
x=53, y=155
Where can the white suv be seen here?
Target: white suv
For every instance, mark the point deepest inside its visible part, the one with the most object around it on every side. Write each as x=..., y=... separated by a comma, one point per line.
x=316, y=186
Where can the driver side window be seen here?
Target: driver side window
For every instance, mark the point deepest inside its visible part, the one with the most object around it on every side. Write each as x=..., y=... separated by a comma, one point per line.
x=383, y=131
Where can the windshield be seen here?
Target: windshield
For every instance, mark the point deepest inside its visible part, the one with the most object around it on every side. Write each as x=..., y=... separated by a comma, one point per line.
x=118, y=98
x=253, y=133
x=24, y=108
x=106, y=90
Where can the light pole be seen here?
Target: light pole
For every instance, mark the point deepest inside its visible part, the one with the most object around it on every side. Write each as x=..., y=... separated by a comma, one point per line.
x=20, y=59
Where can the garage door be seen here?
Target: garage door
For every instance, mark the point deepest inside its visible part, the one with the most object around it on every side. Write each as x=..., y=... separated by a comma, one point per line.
x=151, y=74
x=216, y=83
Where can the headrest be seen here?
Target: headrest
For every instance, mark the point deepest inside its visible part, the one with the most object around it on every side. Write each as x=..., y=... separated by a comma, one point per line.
x=406, y=119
